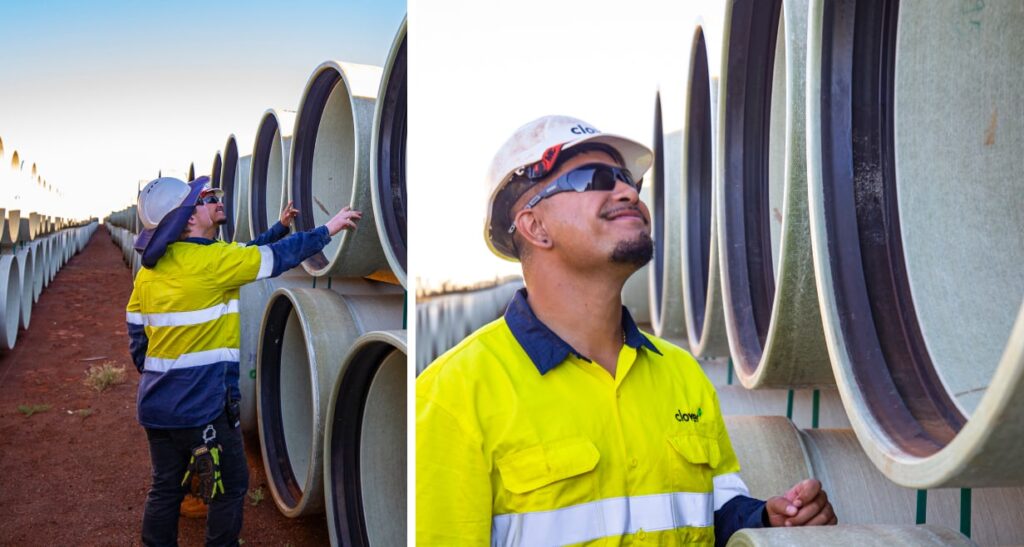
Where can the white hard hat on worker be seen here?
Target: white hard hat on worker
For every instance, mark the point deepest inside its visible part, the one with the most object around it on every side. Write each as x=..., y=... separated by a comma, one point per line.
x=532, y=152
x=164, y=207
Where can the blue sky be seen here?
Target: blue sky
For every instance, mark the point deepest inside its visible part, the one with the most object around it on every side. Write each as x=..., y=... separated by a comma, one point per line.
x=101, y=95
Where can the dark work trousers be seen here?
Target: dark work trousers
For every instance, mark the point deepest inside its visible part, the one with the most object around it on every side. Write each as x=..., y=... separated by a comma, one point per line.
x=170, y=451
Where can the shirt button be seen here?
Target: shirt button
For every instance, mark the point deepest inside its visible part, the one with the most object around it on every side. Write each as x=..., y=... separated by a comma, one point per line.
x=633, y=462
x=641, y=534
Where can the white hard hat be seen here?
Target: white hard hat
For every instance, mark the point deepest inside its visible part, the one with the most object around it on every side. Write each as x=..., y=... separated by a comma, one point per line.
x=532, y=151
x=160, y=197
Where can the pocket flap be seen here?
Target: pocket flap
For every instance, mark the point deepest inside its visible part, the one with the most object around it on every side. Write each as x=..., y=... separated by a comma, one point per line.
x=697, y=449
x=543, y=464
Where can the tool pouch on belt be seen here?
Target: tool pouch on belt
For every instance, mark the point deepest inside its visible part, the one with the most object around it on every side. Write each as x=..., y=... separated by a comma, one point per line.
x=204, y=466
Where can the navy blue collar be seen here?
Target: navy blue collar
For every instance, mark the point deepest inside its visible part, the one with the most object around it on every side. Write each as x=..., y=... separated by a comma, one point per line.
x=544, y=347
x=199, y=240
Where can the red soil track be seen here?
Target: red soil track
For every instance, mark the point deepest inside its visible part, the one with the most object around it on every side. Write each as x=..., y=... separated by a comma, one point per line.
x=72, y=480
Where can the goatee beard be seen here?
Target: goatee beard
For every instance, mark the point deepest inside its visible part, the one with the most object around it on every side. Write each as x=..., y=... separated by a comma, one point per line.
x=636, y=252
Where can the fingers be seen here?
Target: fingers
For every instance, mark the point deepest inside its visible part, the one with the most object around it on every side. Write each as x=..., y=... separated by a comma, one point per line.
x=815, y=513
x=779, y=510
x=804, y=491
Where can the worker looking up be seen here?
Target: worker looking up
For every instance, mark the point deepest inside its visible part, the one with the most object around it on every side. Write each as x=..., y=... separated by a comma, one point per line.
x=561, y=422
x=183, y=326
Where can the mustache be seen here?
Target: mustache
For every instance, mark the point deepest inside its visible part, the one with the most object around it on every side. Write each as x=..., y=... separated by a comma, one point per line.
x=606, y=215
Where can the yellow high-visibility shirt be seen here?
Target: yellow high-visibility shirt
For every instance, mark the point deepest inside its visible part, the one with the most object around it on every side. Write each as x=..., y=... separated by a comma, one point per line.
x=522, y=441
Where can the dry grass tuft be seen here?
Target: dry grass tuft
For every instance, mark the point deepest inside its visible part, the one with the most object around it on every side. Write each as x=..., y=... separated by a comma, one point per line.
x=29, y=410
x=102, y=377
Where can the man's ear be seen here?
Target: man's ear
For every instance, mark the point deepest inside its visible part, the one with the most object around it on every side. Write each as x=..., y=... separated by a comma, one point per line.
x=531, y=229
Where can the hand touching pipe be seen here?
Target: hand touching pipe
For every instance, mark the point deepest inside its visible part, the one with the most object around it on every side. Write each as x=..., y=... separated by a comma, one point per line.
x=288, y=214
x=346, y=218
x=806, y=504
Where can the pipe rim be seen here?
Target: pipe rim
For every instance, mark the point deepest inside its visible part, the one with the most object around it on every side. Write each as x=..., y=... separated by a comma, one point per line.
x=698, y=192
x=748, y=278
x=228, y=173
x=342, y=479
x=659, y=263
x=265, y=133
x=388, y=174
x=888, y=356
x=280, y=476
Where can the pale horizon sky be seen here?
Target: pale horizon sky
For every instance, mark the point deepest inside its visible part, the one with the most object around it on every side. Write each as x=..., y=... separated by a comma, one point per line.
x=479, y=70
x=103, y=95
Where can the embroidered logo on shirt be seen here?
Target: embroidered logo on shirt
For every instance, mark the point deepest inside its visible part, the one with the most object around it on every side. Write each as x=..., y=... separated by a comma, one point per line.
x=688, y=416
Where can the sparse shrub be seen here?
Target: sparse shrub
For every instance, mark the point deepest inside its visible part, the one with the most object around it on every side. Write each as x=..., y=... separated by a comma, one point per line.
x=101, y=377
x=29, y=410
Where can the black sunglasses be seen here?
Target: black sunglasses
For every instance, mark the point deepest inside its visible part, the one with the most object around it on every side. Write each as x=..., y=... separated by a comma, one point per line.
x=207, y=200
x=593, y=176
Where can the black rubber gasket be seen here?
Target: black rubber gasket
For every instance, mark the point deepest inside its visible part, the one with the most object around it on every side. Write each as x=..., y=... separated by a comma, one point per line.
x=890, y=360
x=752, y=38
x=391, y=146
x=303, y=150
x=699, y=171
x=279, y=465
x=260, y=164
x=228, y=185
x=346, y=436
x=660, y=211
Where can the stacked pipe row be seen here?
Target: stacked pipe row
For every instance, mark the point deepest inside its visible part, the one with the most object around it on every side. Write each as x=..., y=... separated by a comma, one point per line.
x=28, y=263
x=445, y=319
x=323, y=347
x=838, y=208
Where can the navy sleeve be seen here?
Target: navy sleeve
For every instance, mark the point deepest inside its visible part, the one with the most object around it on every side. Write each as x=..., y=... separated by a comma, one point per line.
x=292, y=250
x=738, y=513
x=276, y=232
x=138, y=342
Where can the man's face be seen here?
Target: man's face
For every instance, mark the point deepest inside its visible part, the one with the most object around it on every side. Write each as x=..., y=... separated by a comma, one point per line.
x=208, y=215
x=596, y=227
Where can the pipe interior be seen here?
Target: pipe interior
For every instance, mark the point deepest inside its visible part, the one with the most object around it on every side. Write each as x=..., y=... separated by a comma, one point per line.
x=215, y=172
x=885, y=349
x=13, y=303
x=660, y=209
x=333, y=160
x=752, y=35
x=391, y=158
x=698, y=184
x=382, y=458
x=296, y=398
x=959, y=138
x=229, y=183
x=777, y=148
x=274, y=188
x=261, y=165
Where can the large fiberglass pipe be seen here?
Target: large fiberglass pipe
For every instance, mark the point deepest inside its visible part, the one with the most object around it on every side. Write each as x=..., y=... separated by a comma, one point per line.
x=268, y=189
x=10, y=301
x=915, y=151
x=235, y=183
x=364, y=447
x=768, y=289
x=330, y=166
x=387, y=167
x=666, y=308
x=215, y=170
x=305, y=337
x=701, y=279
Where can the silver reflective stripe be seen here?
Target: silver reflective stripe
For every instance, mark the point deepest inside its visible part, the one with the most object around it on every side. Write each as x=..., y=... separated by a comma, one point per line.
x=604, y=518
x=134, y=318
x=186, y=318
x=188, y=360
x=266, y=262
x=727, y=487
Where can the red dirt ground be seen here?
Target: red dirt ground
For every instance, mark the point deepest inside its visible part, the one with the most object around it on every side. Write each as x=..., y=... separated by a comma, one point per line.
x=72, y=480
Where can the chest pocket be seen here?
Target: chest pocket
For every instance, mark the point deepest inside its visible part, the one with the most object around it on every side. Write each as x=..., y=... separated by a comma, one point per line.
x=535, y=467
x=693, y=459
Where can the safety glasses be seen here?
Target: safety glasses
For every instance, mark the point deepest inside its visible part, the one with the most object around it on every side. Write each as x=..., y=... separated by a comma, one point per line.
x=593, y=176
x=207, y=200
